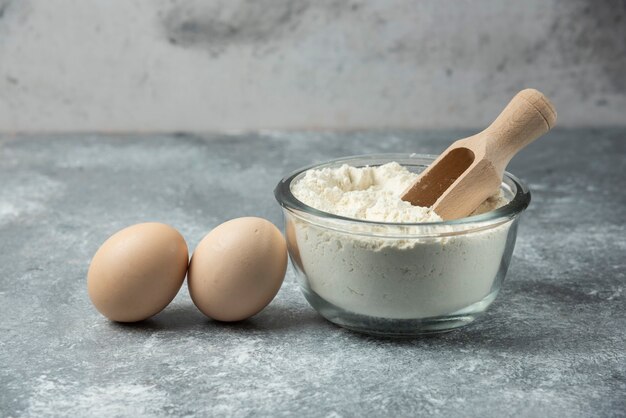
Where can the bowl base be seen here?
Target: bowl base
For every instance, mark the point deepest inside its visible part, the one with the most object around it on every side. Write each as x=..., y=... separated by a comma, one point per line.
x=397, y=328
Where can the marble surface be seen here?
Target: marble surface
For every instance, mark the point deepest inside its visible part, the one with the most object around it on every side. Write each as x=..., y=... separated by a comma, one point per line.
x=552, y=345
x=169, y=65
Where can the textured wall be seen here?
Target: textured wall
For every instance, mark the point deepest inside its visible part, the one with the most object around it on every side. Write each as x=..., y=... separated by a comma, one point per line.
x=232, y=64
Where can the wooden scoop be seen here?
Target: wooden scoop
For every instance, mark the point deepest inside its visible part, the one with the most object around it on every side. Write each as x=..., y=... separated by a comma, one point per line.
x=471, y=169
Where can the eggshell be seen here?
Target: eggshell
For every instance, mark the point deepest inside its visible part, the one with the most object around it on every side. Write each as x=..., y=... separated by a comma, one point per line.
x=237, y=269
x=137, y=272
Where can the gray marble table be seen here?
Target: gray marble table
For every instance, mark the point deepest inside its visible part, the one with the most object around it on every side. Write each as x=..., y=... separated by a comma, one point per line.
x=552, y=345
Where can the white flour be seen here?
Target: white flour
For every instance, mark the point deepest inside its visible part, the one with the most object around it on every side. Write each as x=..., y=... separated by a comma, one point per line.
x=390, y=278
x=369, y=193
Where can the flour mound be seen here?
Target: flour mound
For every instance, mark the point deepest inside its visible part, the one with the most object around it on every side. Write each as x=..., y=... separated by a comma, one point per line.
x=369, y=193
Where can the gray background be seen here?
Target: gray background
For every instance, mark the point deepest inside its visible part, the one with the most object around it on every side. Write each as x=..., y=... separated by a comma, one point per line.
x=167, y=65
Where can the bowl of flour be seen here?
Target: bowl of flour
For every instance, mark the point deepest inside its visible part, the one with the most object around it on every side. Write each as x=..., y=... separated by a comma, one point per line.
x=368, y=261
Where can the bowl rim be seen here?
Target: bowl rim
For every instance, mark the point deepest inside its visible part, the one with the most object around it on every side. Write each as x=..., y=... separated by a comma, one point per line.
x=284, y=196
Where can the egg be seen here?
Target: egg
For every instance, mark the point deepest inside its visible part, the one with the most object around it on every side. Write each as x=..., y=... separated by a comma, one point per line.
x=237, y=269
x=137, y=272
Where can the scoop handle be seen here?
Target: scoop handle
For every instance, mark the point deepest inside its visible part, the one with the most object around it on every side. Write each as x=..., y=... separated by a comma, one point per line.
x=527, y=116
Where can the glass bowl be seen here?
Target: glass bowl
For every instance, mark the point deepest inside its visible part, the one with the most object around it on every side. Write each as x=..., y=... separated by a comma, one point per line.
x=399, y=279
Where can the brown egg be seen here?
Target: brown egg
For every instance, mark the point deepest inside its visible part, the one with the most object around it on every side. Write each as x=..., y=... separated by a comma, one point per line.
x=137, y=272
x=237, y=269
